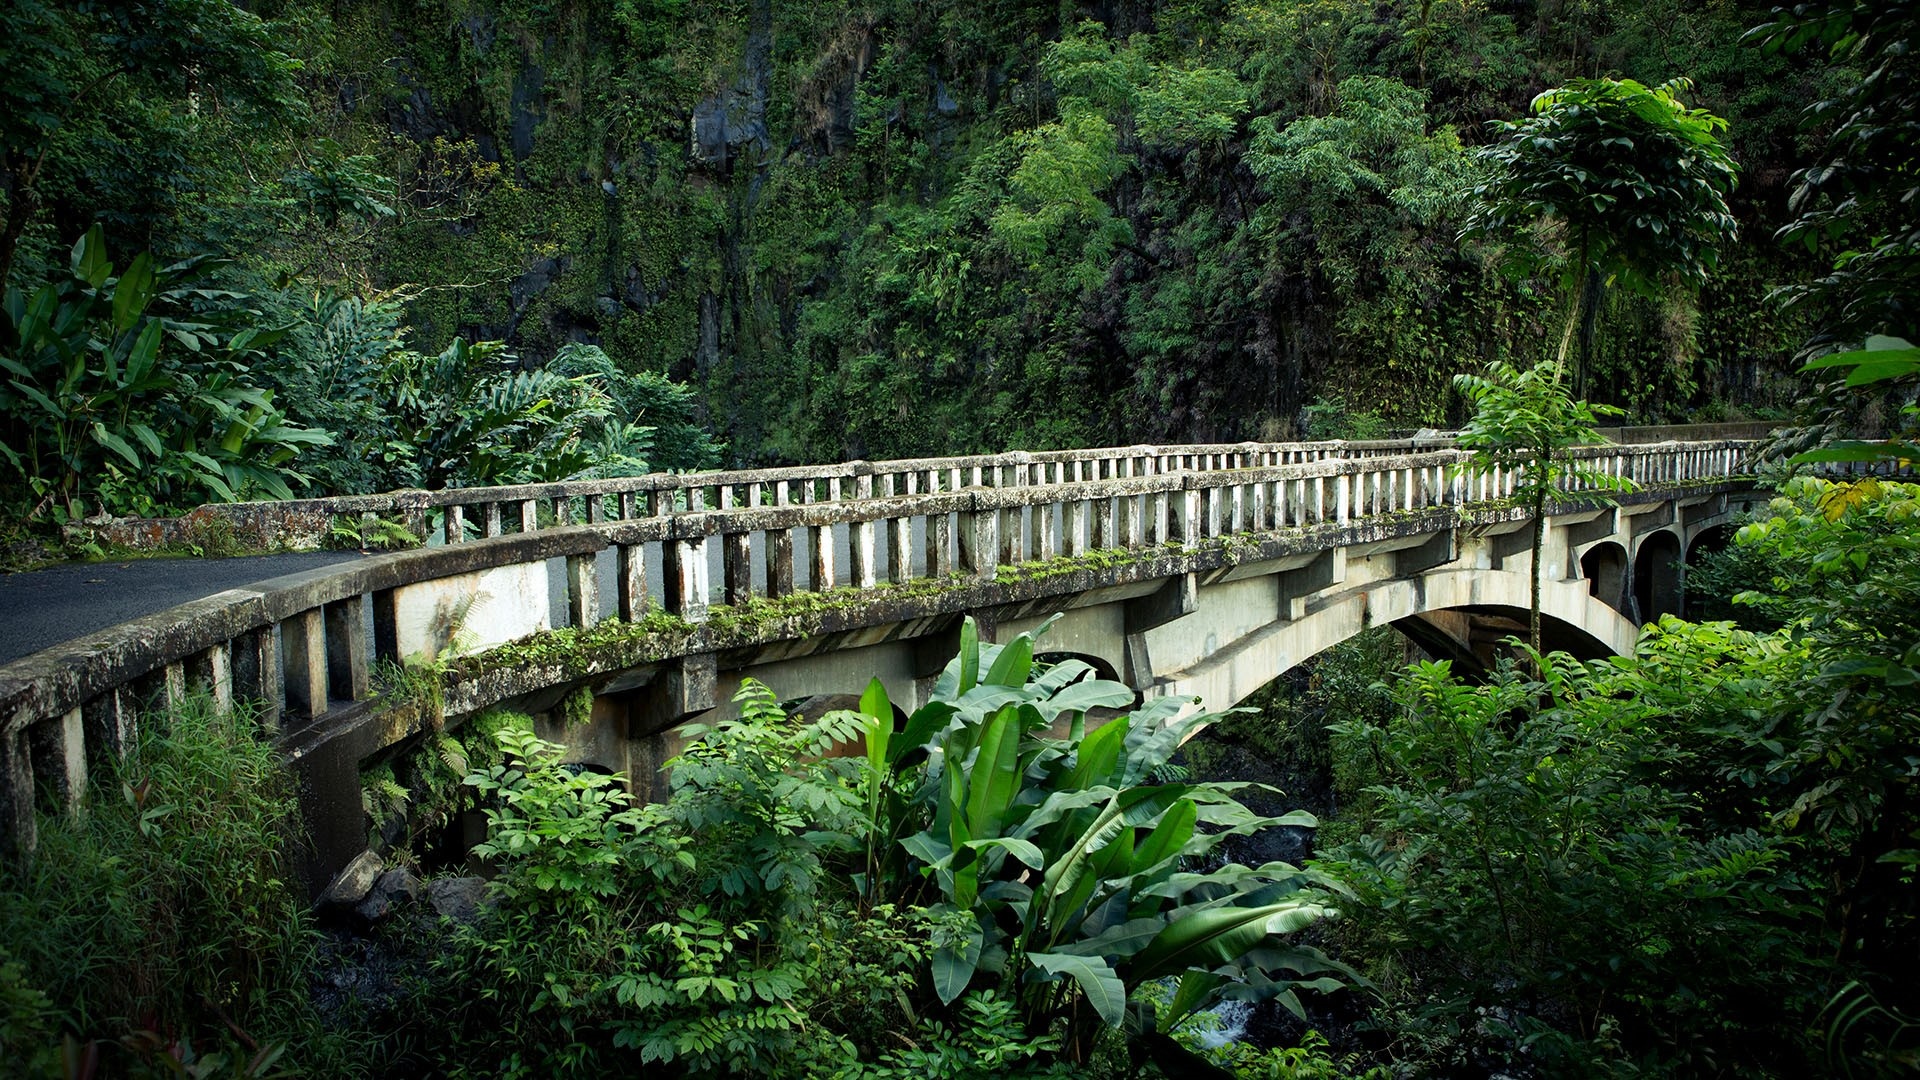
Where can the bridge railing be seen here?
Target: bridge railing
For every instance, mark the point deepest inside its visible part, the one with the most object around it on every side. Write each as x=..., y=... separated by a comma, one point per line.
x=305, y=645
x=456, y=515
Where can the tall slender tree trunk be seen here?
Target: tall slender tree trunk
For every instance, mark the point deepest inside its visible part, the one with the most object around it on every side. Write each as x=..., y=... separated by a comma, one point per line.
x=1539, y=542
x=22, y=200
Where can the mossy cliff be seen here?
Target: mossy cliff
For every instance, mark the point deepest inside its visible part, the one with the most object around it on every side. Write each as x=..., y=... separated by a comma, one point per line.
x=897, y=228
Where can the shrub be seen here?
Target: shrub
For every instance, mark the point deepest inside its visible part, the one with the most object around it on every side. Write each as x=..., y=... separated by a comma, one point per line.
x=162, y=921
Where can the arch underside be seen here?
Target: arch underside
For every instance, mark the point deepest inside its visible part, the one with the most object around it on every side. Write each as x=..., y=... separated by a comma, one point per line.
x=1432, y=609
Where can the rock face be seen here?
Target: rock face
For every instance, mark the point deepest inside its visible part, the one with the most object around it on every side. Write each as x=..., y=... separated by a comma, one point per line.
x=461, y=899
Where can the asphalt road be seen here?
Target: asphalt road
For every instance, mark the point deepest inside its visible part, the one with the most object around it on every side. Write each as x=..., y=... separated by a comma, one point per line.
x=42, y=608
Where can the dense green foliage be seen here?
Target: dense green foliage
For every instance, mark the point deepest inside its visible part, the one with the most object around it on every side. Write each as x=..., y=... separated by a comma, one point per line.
x=716, y=931
x=1635, y=182
x=887, y=230
x=1064, y=870
x=130, y=393
x=1696, y=860
x=162, y=924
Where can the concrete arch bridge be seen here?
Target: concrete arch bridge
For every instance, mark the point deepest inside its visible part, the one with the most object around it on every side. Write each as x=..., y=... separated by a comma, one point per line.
x=1193, y=570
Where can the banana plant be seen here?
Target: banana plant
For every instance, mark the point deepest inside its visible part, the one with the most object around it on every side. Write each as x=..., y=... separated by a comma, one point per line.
x=1071, y=858
x=132, y=390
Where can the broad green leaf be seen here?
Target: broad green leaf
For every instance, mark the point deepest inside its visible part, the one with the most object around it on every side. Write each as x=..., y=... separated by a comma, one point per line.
x=133, y=292
x=39, y=398
x=953, y=967
x=1096, y=978
x=1195, y=988
x=1014, y=663
x=879, y=713
x=926, y=722
x=1120, y=941
x=995, y=780
x=1028, y=853
x=1099, y=758
x=89, y=260
x=969, y=656
x=1207, y=939
x=1168, y=838
x=115, y=443
x=1853, y=450
x=1091, y=694
x=140, y=360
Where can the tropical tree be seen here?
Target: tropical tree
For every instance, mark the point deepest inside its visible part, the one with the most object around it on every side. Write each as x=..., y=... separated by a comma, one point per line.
x=103, y=101
x=1636, y=182
x=1526, y=420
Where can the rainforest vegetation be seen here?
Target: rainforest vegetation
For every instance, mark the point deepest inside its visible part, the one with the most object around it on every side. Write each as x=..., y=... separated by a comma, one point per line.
x=819, y=231
x=281, y=248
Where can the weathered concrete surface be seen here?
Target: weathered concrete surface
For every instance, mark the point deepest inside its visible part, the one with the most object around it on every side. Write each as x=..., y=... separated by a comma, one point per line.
x=472, y=612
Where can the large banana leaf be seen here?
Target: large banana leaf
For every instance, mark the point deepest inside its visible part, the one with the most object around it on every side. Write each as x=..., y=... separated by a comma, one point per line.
x=1098, y=981
x=1208, y=939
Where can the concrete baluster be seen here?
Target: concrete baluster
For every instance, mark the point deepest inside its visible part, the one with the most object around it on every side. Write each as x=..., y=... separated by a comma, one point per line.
x=57, y=750
x=631, y=574
x=529, y=515
x=303, y=657
x=1045, y=538
x=821, y=572
x=861, y=554
x=900, y=549
x=939, y=545
x=1073, y=528
x=779, y=563
x=347, y=649
x=18, y=835
x=254, y=659
x=736, y=567
x=1189, y=522
x=978, y=543
x=1012, y=525
x=210, y=672
x=453, y=525
x=684, y=575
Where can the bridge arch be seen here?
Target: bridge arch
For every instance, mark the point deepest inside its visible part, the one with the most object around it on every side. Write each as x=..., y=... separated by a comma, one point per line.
x=1659, y=573
x=1571, y=618
x=1709, y=539
x=1604, y=567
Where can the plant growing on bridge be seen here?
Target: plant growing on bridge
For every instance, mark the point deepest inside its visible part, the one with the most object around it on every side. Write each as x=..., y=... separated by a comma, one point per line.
x=1061, y=863
x=1526, y=420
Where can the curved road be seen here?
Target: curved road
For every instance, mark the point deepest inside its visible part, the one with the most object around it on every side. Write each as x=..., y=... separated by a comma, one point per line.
x=42, y=608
